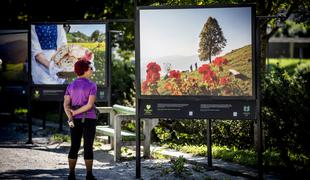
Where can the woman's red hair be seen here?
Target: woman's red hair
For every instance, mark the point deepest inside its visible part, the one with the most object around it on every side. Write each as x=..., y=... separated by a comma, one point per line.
x=80, y=67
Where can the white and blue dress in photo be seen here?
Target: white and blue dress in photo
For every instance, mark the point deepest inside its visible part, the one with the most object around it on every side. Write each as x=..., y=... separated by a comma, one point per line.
x=45, y=39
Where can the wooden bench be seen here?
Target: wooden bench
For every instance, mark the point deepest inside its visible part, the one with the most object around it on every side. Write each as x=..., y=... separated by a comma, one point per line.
x=118, y=137
x=109, y=131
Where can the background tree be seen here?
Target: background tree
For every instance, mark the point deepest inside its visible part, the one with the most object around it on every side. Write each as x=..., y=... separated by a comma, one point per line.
x=95, y=35
x=293, y=29
x=212, y=40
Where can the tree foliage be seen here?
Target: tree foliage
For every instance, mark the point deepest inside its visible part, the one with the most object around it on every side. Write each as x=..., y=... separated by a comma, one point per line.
x=293, y=29
x=212, y=40
x=123, y=88
x=95, y=35
x=77, y=37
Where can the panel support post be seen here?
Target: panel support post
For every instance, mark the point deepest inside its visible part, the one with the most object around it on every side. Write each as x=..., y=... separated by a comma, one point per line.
x=44, y=120
x=259, y=147
x=60, y=116
x=138, y=155
x=209, y=145
x=29, y=119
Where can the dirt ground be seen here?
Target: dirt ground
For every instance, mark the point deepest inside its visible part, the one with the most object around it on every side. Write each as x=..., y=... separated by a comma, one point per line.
x=46, y=159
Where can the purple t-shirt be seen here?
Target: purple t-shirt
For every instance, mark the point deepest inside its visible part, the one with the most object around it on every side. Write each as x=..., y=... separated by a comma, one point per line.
x=79, y=91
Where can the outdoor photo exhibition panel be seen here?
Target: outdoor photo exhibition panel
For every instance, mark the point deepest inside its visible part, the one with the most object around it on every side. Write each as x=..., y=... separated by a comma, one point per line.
x=56, y=46
x=196, y=62
x=13, y=64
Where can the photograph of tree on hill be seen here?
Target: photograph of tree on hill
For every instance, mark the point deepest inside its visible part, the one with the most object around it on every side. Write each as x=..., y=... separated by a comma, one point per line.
x=202, y=51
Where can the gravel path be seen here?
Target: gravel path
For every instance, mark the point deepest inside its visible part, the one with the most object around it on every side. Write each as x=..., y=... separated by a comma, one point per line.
x=47, y=160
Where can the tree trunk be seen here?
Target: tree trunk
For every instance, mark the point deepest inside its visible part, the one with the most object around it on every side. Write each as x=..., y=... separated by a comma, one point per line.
x=263, y=49
x=210, y=53
x=263, y=38
x=256, y=138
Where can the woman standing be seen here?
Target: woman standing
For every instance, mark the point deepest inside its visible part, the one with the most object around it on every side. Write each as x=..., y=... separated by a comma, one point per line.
x=79, y=106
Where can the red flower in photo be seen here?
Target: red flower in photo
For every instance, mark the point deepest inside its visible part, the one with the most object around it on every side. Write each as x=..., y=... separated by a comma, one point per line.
x=224, y=80
x=144, y=87
x=153, y=67
x=218, y=61
x=153, y=75
x=210, y=76
x=87, y=56
x=204, y=69
x=174, y=74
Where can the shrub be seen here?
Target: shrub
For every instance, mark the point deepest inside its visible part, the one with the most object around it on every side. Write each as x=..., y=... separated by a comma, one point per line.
x=230, y=133
x=285, y=112
x=178, y=165
x=123, y=88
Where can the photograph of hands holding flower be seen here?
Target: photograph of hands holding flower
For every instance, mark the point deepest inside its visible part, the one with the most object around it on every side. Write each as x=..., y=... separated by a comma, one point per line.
x=56, y=47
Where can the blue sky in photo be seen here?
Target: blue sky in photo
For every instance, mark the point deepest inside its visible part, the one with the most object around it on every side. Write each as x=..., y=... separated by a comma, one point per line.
x=175, y=32
x=87, y=29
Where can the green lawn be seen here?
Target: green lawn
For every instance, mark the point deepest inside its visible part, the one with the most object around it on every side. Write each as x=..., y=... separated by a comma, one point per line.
x=288, y=63
x=244, y=157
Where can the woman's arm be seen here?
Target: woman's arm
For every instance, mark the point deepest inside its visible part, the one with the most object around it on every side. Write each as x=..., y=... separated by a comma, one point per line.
x=86, y=107
x=42, y=59
x=67, y=109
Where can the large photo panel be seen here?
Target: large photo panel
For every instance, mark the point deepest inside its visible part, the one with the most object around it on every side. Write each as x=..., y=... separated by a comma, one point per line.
x=55, y=47
x=13, y=68
x=13, y=56
x=205, y=51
